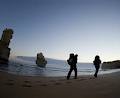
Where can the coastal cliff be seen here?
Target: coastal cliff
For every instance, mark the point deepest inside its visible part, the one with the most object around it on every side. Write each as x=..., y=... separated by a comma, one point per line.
x=111, y=65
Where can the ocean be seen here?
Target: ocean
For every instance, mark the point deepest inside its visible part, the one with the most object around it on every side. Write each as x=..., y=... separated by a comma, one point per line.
x=26, y=66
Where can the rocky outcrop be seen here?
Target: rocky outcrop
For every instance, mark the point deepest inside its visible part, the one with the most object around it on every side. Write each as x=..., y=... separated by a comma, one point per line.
x=4, y=46
x=111, y=65
x=40, y=61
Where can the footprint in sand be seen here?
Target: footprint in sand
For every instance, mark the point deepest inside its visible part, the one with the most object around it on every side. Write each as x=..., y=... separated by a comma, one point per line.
x=81, y=79
x=27, y=81
x=9, y=83
x=43, y=85
x=62, y=80
x=68, y=82
x=10, y=80
x=52, y=81
x=57, y=83
x=38, y=81
x=92, y=78
x=27, y=85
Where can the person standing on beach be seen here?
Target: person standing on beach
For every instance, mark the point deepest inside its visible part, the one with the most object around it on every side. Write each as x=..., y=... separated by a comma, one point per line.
x=96, y=63
x=72, y=61
x=75, y=65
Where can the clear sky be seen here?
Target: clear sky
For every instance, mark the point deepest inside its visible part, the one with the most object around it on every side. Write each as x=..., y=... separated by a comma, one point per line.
x=59, y=27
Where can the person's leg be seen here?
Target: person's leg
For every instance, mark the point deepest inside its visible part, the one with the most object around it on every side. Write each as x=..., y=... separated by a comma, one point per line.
x=75, y=69
x=69, y=73
x=96, y=72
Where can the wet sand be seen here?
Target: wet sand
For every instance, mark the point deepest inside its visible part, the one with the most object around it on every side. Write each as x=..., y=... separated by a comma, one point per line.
x=15, y=86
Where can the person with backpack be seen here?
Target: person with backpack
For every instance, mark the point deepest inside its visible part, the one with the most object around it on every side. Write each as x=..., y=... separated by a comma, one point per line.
x=72, y=61
x=96, y=63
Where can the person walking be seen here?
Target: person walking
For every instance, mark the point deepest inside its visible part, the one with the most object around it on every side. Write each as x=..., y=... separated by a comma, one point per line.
x=96, y=63
x=72, y=61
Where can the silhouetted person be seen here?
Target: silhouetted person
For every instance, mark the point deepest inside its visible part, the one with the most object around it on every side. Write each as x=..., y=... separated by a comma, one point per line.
x=72, y=61
x=75, y=65
x=97, y=63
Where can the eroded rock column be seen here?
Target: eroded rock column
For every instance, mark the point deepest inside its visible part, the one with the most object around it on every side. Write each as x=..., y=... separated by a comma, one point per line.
x=4, y=46
x=40, y=61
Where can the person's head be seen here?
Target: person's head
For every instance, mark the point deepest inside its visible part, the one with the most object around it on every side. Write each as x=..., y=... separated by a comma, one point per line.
x=97, y=57
x=71, y=55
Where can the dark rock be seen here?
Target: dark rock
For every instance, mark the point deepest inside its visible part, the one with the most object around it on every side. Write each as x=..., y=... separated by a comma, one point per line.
x=4, y=46
x=111, y=65
x=40, y=61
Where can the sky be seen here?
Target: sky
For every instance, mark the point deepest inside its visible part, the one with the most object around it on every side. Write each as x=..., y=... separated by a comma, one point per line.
x=60, y=27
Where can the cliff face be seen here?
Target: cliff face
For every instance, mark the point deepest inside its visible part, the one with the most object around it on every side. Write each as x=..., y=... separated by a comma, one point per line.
x=4, y=46
x=111, y=65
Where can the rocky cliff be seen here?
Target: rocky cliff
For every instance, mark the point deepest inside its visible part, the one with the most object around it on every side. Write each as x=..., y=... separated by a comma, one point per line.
x=111, y=65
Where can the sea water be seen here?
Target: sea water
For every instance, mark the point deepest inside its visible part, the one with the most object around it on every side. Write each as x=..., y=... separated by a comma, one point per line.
x=26, y=66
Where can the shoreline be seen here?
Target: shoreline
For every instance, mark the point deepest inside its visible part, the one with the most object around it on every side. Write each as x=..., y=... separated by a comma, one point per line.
x=80, y=73
x=105, y=86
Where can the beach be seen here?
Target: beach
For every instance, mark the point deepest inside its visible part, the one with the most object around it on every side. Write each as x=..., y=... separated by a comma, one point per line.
x=16, y=86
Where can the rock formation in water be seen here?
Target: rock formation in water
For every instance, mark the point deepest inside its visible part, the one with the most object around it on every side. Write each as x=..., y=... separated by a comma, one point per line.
x=4, y=46
x=40, y=61
x=111, y=65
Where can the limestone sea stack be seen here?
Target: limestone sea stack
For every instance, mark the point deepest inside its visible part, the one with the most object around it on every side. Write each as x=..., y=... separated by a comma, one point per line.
x=111, y=65
x=4, y=46
x=40, y=61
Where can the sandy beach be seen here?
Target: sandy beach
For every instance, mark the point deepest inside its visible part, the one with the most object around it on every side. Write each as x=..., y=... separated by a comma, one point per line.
x=14, y=86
